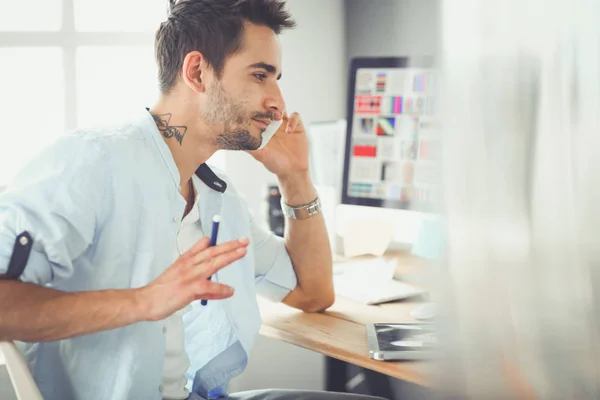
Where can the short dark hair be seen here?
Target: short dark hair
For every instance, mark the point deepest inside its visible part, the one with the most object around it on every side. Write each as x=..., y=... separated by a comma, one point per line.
x=213, y=27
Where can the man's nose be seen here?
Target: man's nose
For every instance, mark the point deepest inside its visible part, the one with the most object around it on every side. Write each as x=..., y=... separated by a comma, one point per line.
x=275, y=103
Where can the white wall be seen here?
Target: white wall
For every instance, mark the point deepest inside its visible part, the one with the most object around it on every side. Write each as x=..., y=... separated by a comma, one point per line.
x=370, y=27
x=392, y=27
x=314, y=84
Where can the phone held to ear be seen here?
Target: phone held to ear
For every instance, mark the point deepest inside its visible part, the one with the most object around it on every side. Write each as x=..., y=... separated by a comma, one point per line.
x=269, y=133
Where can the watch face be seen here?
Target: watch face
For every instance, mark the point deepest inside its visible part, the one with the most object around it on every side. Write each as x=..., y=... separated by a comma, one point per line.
x=302, y=212
x=290, y=213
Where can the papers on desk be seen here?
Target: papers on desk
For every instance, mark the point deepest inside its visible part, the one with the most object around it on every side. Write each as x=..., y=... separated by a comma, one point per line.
x=370, y=281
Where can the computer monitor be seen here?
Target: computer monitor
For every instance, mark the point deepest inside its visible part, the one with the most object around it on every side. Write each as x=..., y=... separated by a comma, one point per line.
x=392, y=143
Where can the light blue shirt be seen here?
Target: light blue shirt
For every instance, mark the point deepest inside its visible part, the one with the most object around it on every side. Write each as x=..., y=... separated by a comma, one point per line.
x=103, y=208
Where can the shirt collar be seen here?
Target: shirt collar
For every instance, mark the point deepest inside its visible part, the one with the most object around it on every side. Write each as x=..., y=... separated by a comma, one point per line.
x=206, y=175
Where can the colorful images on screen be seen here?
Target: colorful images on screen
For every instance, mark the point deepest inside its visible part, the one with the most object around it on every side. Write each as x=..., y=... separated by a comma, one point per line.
x=395, y=143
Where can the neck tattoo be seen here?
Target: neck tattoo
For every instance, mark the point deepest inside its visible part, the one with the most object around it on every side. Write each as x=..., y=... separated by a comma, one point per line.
x=168, y=131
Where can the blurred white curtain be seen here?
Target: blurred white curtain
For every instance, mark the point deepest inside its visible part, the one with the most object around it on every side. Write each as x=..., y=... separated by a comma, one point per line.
x=521, y=165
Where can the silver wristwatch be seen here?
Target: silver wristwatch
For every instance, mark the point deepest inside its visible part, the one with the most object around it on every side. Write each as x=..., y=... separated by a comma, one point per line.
x=302, y=212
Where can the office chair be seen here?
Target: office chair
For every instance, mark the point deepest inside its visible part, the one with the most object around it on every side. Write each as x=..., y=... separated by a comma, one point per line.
x=20, y=375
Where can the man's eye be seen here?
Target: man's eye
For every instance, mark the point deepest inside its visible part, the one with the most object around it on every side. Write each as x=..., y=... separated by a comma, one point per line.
x=260, y=77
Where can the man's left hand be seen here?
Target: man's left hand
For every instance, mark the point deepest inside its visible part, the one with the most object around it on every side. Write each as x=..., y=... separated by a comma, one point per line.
x=286, y=154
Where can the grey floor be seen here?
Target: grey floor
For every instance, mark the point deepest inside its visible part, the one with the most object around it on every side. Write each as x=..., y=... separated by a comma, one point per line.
x=6, y=390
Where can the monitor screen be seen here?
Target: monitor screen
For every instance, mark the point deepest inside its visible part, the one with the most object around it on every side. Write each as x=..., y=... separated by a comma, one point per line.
x=392, y=142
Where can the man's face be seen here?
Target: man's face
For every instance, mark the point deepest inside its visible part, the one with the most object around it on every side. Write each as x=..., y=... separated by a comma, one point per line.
x=242, y=103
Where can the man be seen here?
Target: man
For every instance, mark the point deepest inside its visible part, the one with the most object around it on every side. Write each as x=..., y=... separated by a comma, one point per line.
x=101, y=240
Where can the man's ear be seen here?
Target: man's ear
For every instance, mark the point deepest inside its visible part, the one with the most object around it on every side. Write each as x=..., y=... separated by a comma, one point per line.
x=194, y=71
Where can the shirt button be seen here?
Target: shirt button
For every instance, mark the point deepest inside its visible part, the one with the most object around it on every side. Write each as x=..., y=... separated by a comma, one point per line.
x=164, y=329
x=161, y=388
x=176, y=218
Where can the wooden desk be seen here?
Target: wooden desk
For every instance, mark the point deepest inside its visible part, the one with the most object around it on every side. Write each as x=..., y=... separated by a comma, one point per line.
x=340, y=333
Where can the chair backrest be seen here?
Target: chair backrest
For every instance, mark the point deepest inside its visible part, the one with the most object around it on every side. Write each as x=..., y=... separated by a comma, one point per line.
x=19, y=372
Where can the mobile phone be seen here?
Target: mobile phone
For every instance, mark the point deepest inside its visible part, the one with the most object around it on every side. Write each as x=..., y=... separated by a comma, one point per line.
x=269, y=133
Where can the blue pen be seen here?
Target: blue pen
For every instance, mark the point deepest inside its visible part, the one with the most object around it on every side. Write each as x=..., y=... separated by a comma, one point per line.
x=213, y=242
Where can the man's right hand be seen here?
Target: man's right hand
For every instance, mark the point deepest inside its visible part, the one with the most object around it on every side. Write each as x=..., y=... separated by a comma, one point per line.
x=26, y=307
x=188, y=279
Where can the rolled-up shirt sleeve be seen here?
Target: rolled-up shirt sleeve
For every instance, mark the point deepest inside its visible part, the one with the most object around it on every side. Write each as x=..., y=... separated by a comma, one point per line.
x=274, y=272
x=57, y=198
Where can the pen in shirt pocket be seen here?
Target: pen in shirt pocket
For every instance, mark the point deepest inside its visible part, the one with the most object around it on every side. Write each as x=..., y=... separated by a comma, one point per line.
x=213, y=242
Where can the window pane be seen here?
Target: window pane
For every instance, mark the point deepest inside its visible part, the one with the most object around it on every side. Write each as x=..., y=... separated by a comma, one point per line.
x=32, y=105
x=114, y=82
x=119, y=15
x=31, y=15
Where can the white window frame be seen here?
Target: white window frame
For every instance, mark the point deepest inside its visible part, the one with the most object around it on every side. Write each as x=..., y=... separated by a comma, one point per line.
x=68, y=39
